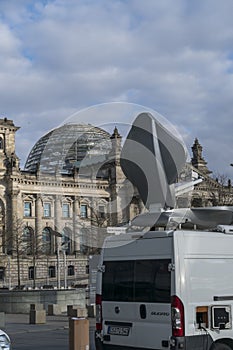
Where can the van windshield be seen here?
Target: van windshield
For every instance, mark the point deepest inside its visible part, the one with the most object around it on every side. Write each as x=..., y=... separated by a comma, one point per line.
x=137, y=281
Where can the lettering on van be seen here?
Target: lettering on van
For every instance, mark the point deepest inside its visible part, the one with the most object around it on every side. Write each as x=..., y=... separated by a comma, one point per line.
x=160, y=313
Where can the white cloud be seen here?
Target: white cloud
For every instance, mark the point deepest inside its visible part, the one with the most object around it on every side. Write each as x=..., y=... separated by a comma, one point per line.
x=59, y=56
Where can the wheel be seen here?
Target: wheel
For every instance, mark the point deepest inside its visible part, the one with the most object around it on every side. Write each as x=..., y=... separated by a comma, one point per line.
x=98, y=342
x=220, y=346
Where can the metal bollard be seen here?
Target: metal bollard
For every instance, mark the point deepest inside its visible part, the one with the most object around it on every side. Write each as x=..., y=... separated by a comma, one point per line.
x=78, y=334
x=54, y=309
x=37, y=316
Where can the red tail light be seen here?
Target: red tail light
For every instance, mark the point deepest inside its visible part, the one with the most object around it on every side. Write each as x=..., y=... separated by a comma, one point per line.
x=98, y=312
x=177, y=315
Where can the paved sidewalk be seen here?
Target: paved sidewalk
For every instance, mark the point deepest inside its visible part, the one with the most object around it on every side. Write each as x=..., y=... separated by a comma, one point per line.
x=17, y=323
x=52, y=335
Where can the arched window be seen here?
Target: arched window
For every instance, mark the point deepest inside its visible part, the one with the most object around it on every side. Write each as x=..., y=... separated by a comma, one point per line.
x=66, y=240
x=31, y=273
x=3, y=239
x=46, y=241
x=1, y=143
x=101, y=212
x=71, y=270
x=2, y=273
x=83, y=238
x=52, y=271
x=28, y=240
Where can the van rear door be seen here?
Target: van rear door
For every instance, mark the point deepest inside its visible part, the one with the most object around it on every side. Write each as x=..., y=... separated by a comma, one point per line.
x=136, y=296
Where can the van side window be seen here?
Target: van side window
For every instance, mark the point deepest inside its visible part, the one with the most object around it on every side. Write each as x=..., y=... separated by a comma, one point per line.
x=137, y=281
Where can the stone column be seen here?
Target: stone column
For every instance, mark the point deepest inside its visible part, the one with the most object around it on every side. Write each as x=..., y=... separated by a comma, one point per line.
x=57, y=212
x=38, y=221
x=12, y=223
x=76, y=241
x=57, y=240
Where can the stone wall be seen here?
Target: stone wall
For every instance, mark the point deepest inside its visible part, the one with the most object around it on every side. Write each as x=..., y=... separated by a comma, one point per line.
x=10, y=279
x=19, y=301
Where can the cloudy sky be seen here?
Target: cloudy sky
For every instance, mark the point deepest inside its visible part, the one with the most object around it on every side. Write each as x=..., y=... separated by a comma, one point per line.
x=176, y=57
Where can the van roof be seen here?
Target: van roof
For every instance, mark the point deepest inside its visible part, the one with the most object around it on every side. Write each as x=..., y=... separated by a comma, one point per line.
x=139, y=235
x=128, y=237
x=122, y=239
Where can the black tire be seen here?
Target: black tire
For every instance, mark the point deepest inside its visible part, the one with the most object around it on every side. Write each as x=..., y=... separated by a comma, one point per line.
x=220, y=346
x=98, y=342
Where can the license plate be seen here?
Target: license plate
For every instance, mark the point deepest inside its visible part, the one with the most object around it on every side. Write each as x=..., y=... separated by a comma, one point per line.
x=118, y=330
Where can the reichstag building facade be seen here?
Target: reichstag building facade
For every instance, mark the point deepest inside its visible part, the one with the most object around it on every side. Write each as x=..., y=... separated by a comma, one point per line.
x=55, y=212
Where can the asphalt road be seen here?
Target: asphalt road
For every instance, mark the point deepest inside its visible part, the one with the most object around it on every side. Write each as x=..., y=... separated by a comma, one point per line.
x=50, y=336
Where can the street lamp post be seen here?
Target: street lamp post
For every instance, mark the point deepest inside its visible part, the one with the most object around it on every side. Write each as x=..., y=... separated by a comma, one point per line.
x=9, y=271
x=64, y=263
x=57, y=235
x=58, y=267
x=34, y=252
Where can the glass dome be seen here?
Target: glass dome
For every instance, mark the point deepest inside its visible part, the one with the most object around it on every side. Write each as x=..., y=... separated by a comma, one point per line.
x=63, y=148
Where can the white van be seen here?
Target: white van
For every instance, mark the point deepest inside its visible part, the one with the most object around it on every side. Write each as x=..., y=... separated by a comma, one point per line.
x=165, y=290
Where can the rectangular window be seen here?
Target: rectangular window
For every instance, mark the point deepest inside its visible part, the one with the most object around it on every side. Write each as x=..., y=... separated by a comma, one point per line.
x=31, y=272
x=2, y=273
x=47, y=209
x=65, y=210
x=147, y=281
x=27, y=209
x=70, y=270
x=52, y=271
x=83, y=211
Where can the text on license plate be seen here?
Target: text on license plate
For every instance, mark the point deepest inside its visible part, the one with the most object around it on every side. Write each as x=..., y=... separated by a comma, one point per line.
x=118, y=330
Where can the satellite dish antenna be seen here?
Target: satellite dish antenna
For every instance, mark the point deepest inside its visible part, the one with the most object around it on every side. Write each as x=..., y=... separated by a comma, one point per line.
x=151, y=159
x=205, y=217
